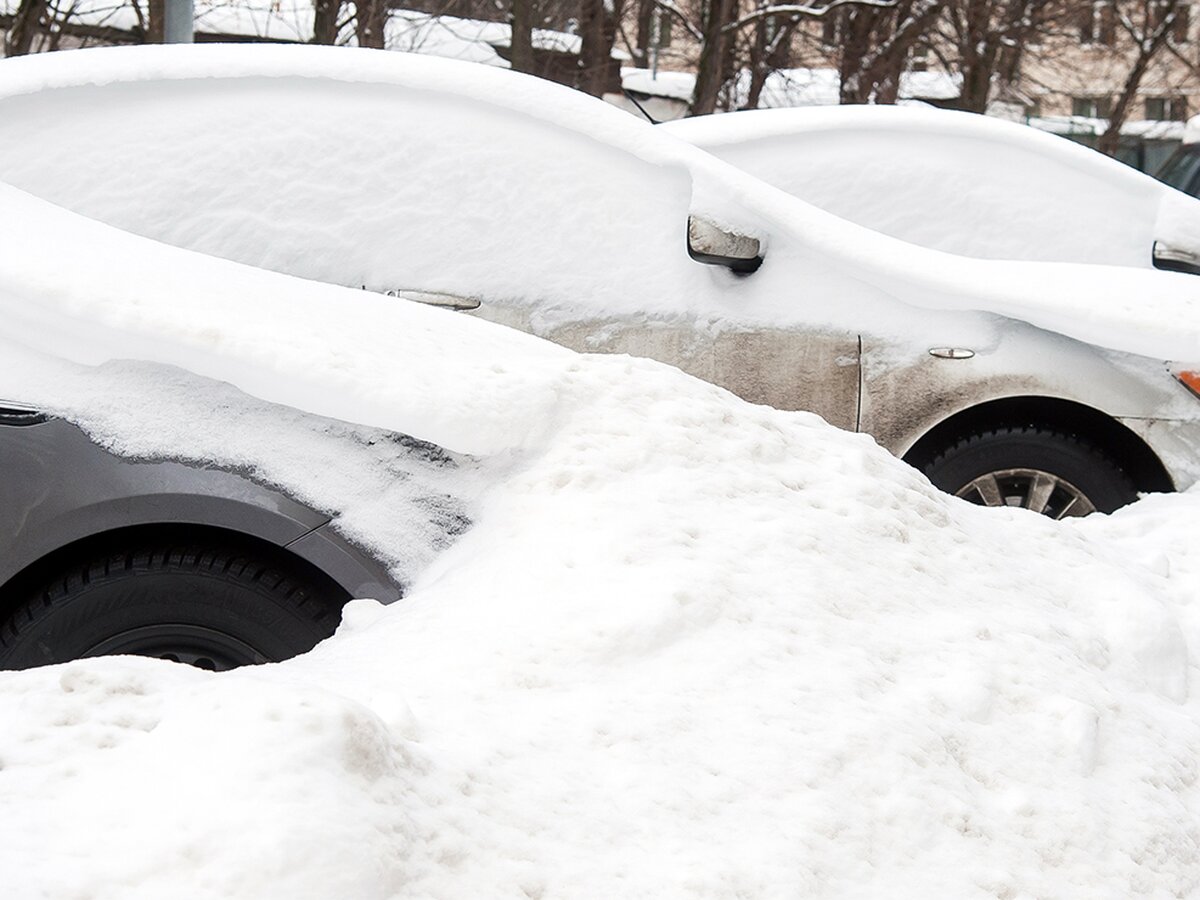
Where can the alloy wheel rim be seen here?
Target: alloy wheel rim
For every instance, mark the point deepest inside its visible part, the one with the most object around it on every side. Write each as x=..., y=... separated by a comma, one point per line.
x=1033, y=489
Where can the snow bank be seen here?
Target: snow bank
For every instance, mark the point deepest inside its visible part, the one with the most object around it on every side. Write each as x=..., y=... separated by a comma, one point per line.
x=691, y=647
x=366, y=168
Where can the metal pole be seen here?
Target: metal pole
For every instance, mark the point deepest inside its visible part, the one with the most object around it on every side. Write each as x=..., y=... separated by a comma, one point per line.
x=655, y=40
x=178, y=23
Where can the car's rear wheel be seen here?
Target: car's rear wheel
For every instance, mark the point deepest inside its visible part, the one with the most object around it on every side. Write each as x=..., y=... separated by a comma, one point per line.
x=1052, y=473
x=210, y=606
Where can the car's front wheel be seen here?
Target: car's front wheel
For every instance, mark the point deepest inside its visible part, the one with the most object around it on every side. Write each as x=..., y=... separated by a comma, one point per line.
x=1037, y=468
x=210, y=606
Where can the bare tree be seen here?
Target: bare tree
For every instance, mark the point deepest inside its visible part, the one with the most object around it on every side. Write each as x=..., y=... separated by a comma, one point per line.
x=984, y=41
x=326, y=21
x=873, y=40
x=520, y=21
x=598, y=29
x=370, y=21
x=874, y=46
x=714, y=67
x=27, y=24
x=1148, y=25
x=647, y=13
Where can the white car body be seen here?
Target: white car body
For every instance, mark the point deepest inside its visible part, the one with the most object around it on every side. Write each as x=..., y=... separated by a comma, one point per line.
x=561, y=216
x=955, y=181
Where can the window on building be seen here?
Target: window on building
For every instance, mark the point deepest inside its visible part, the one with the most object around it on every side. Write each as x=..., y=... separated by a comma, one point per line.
x=1167, y=109
x=919, y=60
x=1183, y=18
x=830, y=30
x=1091, y=107
x=1098, y=24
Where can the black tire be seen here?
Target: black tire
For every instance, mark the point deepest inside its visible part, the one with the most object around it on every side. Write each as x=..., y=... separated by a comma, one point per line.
x=1010, y=467
x=210, y=606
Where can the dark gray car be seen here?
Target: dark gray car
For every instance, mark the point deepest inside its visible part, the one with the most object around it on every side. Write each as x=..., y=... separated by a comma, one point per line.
x=100, y=554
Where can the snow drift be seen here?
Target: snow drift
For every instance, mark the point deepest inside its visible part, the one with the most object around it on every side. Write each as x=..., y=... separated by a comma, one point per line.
x=691, y=647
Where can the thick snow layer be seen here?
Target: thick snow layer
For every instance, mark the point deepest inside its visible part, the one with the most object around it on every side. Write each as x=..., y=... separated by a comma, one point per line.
x=367, y=168
x=691, y=647
x=352, y=354
x=957, y=182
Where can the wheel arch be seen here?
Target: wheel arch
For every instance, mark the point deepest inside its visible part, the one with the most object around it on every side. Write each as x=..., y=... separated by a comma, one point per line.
x=1134, y=456
x=43, y=569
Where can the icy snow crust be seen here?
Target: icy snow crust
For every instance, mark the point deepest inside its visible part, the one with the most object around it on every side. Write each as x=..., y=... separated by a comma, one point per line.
x=958, y=182
x=366, y=168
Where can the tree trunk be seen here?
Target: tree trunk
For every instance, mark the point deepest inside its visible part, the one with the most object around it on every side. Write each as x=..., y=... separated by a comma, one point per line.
x=645, y=33
x=877, y=46
x=27, y=24
x=853, y=84
x=520, y=19
x=157, y=15
x=1110, y=141
x=325, y=21
x=714, y=55
x=1153, y=37
x=759, y=69
x=369, y=22
x=598, y=28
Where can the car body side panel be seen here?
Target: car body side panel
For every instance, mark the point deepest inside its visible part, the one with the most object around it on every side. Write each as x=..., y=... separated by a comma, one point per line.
x=59, y=487
x=1176, y=443
x=784, y=368
x=907, y=391
x=359, y=574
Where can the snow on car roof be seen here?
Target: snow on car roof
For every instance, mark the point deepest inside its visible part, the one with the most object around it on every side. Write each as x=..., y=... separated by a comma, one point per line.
x=1142, y=312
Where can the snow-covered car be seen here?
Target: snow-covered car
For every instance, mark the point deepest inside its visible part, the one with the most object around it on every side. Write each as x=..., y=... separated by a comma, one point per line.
x=1060, y=387
x=150, y=510
x=954, y=181
x=101, y=554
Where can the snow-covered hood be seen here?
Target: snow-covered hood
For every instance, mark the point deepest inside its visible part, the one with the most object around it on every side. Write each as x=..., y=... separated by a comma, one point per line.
x=523, y=221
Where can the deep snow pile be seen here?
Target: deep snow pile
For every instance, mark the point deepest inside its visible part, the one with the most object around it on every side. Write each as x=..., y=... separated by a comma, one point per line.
x=690, y=647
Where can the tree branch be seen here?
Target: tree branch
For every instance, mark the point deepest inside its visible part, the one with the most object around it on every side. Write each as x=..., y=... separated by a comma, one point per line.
x=805, y=10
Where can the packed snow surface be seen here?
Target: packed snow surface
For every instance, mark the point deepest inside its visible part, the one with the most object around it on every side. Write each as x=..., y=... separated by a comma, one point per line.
x=368, y=169
x=690, y=646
